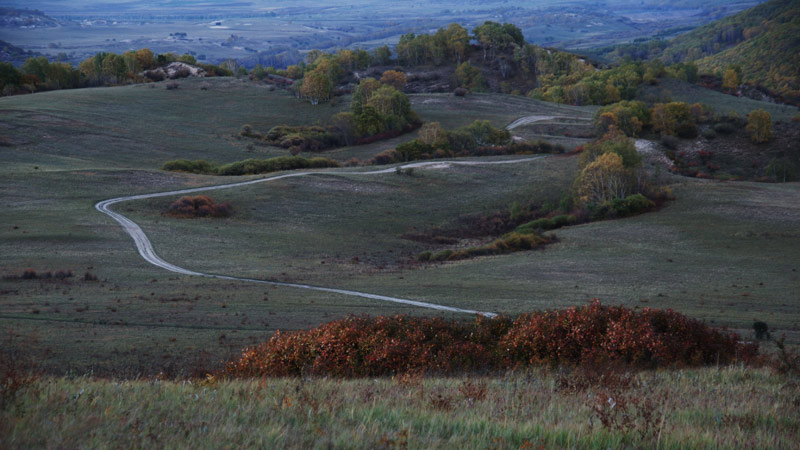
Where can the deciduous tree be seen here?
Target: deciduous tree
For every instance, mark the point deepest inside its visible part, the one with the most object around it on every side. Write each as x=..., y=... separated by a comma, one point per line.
x=316, y=87
x=395, y=79
x=759, y=126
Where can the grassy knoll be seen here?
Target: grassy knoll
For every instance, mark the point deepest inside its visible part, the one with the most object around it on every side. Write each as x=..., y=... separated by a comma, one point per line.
x=700, y=408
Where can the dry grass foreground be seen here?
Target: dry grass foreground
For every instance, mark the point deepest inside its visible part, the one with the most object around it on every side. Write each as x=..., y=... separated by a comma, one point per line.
x=729, y=407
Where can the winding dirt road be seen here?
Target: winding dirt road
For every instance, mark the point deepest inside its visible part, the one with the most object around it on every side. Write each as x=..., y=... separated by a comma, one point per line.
x=145, y=247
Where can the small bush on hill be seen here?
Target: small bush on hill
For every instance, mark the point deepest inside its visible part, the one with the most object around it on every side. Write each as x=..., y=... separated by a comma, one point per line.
x=199, y=206
x=381, y=346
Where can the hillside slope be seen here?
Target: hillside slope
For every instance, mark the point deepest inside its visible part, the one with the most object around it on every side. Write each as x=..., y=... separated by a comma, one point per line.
x=764, y=42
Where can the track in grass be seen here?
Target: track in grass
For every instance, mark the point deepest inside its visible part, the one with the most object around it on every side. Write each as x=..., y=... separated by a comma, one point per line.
x=146, y=250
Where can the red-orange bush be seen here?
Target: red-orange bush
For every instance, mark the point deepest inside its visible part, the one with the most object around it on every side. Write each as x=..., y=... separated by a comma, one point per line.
x=199, y=206
x=366, y=346
x=593, y=333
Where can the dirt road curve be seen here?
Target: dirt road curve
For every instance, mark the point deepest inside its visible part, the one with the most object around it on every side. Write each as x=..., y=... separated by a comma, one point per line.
x=527, y=120
x=145, y=247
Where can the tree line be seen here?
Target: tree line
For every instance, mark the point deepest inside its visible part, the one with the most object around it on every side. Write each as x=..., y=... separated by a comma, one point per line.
x=103, y=69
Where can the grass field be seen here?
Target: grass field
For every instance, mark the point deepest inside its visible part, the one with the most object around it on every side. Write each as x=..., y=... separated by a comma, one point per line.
x=723, y=252
x=680, y=91
x=703, y=408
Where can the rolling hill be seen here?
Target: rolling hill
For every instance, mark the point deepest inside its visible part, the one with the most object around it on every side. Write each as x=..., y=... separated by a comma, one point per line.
x=763, y=42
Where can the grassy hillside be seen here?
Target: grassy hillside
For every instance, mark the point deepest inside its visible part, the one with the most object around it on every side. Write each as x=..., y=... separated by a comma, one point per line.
x=707, y=408
x=726, y=253
x=142, y=126
x=763, y=41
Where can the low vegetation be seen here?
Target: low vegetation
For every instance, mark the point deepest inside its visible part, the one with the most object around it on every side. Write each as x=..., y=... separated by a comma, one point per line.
x=248, y=166
x=479, y=138
x=728, y=407
x=363, y=346
x=199, y=206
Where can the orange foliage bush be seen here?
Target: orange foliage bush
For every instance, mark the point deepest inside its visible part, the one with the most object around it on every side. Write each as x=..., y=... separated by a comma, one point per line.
x=199, y=206
x=366, y=346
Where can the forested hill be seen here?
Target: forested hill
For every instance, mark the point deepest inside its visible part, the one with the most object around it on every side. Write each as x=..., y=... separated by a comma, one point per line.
x=762, y=44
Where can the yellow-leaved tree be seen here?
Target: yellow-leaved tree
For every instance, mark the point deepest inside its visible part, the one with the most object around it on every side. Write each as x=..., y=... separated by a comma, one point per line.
x=316, y=87
x=604, y=179
x=759, y=126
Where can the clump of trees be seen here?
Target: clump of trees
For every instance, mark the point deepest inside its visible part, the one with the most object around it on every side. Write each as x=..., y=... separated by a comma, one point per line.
x=436, y=142
x=612, y=181
x=103, y=69
x=377, y=111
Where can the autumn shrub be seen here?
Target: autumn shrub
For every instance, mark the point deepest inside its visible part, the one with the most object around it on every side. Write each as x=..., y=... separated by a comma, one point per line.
x=591, y=334
x=649, y=337
x=384, y=157
x=199, y=206
x=18, y=368
x=366, y=346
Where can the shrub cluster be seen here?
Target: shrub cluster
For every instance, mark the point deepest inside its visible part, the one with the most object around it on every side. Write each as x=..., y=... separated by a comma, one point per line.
x=416, y=150
x=30, y=274
x=380, y=346
x=621, y=207
x=199, y=206
x=302, y=138
x=249, y=166
x=545, y=224
x=508, y=243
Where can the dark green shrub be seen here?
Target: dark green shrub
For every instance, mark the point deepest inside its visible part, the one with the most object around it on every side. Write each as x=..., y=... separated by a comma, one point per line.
x=257, y=166
x=669, y=141
x=545, y=224
x=198, y=166
x=761, y=329
x=724, y=127
x=709, y=134
x=630, y=205
x=413, y=150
